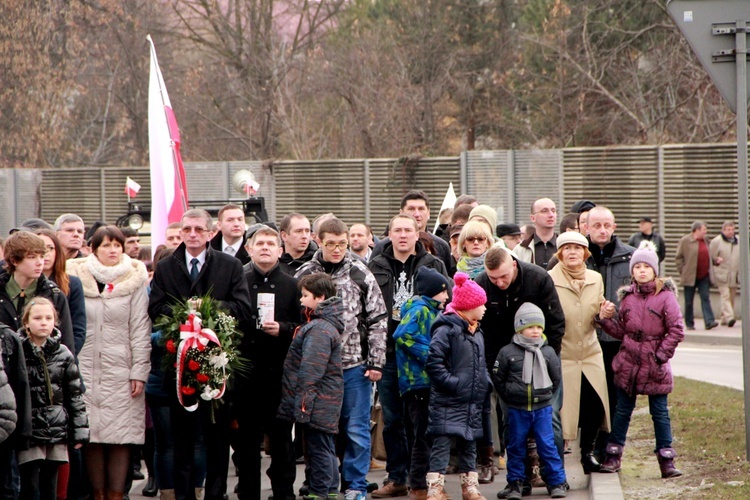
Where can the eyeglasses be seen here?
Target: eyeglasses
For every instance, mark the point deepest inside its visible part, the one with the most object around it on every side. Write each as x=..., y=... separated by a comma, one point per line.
x=546, y=211
x=341, y=245
x=478, y=239
x=198, y=230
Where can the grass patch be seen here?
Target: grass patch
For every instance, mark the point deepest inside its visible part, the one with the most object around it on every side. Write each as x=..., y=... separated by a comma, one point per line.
x=709, y=437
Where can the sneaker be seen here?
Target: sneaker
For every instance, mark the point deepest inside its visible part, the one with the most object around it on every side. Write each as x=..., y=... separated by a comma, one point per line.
x=354, y=495
x=557, y=491
x=515, y=490
x=390, y=490
x=525, y=490
x=501, y=463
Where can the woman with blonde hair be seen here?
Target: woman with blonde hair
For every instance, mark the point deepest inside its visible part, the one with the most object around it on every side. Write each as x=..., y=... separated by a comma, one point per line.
x=585, y=398
x=474, y=241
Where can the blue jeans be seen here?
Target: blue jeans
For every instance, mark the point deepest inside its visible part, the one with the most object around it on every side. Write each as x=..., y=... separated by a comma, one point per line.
x=657, y=406
x=704, y=288
x=323, y=462
x=355, y=425
x=394, y=433
x=440, y=455
x=539, y=423
x=556, y=404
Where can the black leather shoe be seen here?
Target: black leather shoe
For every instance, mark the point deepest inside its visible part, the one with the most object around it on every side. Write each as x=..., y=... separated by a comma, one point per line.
x=712, y=325
x=138, y=475
x=150, y=490
x=589, y=463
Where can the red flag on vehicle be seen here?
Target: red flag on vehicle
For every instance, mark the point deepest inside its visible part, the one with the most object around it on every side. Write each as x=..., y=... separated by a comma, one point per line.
x=132, y=187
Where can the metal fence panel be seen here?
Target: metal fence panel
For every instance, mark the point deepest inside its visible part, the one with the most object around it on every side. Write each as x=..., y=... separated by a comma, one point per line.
x=536, y=175
x=489, y=179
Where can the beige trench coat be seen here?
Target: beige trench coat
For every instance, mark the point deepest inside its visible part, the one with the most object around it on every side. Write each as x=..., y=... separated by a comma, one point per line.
x=581, y=353
x=117, y=350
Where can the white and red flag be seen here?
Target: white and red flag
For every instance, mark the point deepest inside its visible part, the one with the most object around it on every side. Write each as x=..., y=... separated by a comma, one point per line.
x=169, y=195
x=131, y=187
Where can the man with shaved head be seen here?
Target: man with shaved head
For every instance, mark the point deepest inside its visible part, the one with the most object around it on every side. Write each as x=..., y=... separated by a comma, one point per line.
x=539, y=248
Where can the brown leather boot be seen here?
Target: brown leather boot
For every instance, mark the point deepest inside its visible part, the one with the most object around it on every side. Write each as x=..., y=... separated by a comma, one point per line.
x=532, y=457
x=417, y=494
x=436, y=486
x=485, y=465
x=470, y=486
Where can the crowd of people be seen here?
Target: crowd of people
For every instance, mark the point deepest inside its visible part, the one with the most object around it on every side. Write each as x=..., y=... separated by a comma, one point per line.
x=489, y=345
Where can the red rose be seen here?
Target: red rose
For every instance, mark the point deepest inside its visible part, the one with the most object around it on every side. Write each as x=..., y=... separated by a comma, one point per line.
x=171, y=347
x=202, y=378
x=188, y=391
x=193, y=365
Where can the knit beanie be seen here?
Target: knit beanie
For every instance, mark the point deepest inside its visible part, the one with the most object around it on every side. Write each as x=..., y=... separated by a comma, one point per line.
x=467, y=295
x=582, y=206
x=646, y=253
x=528, y=315
x=487, y=213
x=429, y=282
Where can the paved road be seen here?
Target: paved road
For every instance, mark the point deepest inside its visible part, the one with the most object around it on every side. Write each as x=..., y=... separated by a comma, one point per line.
x=720, y=365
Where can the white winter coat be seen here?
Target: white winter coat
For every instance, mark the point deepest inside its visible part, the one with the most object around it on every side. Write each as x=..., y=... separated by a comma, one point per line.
x=117, y=350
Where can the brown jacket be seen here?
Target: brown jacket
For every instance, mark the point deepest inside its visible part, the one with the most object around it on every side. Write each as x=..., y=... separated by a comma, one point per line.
x=686, y=259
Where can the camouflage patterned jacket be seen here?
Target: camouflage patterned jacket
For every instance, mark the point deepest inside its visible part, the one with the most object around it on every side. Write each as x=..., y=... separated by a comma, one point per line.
x=365, y=318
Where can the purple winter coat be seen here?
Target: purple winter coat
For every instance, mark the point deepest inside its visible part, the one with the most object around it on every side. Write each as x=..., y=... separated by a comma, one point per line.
x=650, y=327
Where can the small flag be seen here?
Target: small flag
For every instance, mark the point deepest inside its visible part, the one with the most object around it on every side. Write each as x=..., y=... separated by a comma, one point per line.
x=448, y=202
x=132, y=187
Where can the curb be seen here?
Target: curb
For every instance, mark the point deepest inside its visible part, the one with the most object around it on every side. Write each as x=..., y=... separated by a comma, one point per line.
x=605, y=486
x=707, y=338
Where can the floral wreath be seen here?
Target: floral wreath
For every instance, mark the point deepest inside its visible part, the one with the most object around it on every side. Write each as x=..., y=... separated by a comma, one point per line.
x=201, y=343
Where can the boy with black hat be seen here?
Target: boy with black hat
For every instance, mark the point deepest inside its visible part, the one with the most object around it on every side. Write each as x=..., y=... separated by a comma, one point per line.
x=412, y=337
x=526, y=374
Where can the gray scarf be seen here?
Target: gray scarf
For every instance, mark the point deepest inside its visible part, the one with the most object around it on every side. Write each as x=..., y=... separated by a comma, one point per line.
x=534, y=364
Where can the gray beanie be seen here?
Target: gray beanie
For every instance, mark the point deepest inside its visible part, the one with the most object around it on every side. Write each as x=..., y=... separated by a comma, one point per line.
x=528, y=315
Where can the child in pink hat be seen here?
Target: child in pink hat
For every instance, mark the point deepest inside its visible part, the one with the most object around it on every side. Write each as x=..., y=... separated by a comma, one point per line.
x=460, y=386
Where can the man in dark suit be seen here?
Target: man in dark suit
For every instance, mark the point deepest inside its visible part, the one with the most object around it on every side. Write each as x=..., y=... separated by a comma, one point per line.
x=230, y=237
x=194, y=270
x=265, y=343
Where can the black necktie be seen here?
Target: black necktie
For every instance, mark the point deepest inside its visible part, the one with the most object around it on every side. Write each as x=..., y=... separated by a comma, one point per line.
x=21, y=303
x=194, y=269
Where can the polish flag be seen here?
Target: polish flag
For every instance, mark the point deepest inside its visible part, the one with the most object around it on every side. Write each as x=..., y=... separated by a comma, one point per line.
x=132, y=187
x=169, y=196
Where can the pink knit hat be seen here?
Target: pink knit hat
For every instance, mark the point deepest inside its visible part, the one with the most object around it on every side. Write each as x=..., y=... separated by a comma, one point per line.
x=467, y=295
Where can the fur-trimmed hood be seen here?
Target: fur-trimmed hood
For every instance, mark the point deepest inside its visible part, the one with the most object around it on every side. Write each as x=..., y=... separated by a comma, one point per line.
x=669, y=284
x=126, y=284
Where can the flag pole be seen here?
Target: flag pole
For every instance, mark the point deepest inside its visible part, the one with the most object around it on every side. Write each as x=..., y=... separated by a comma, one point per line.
x=175, y=159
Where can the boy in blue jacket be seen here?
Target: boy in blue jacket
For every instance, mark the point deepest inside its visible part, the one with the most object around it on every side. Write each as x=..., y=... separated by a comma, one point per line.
x=412, y=337
x=526, y=374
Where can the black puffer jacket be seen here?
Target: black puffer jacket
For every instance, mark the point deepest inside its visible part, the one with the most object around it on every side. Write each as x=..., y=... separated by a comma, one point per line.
x=459, y=379
x=507, y=375
x=58, y=413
